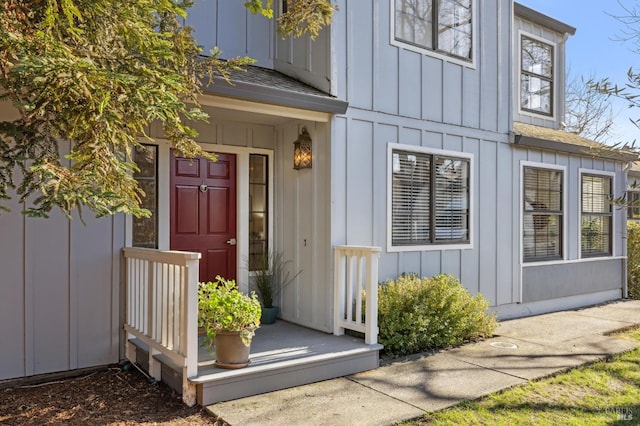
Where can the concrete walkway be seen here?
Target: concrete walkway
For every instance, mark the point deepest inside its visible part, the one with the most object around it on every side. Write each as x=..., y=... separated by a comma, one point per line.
x=523, y=349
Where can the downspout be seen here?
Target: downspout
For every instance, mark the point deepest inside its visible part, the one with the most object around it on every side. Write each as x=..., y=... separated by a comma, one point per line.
x=625, y=239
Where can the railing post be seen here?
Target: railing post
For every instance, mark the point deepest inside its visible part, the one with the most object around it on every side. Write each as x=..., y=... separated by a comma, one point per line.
x=338, y=292
x=190, y=332
x=155, y=368
x=348, y=286
x=371, y=315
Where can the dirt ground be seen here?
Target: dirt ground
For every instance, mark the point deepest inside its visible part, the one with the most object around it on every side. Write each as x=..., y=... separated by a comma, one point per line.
x=114, y=396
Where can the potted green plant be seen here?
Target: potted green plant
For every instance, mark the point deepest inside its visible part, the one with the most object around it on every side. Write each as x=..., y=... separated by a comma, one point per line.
x=230, y=319
x=269, y=278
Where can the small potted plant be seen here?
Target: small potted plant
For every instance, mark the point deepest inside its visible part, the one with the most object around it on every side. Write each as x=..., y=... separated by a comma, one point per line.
x=230, y=319
x=269, y=279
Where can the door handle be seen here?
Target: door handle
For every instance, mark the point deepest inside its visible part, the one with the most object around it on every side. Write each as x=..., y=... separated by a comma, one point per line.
x=232, y=242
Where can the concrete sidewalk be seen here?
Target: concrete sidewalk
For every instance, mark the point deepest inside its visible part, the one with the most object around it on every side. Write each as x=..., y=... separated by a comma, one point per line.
x=523, y=349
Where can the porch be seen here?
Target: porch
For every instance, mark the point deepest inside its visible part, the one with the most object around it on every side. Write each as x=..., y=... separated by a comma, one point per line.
x=161, y=327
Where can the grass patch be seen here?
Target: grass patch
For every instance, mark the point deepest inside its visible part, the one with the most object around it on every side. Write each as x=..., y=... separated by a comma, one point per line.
x=606, y=392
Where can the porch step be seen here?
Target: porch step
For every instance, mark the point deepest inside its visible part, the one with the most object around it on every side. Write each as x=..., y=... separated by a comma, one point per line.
x=283, y=355
x=236, y=384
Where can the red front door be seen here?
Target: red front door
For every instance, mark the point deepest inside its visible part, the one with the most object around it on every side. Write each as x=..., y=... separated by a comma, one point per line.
x=203, y=212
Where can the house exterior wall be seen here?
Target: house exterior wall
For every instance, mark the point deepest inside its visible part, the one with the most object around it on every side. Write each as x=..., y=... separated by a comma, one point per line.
x=548, y=282
x=302, y=229
x=230, y=26
x=398, y=96
x=374, y=75
x=307, y=60
x=60, y=291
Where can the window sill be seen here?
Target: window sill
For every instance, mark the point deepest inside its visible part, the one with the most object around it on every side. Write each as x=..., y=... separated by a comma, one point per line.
x=430, y=247
x=565, y=261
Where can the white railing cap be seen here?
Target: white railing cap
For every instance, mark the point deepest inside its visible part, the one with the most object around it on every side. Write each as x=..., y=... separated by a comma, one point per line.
x=361, y=248
x=166, y=256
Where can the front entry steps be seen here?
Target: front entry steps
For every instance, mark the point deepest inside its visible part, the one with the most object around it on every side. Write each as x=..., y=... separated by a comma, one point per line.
x=283, y=355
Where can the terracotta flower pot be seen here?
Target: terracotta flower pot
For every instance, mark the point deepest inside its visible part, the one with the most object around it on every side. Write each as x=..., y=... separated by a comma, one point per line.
x=230, y=350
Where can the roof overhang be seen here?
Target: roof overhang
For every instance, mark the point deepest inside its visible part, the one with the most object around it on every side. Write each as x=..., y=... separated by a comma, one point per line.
x=261, y=86
x=277, y=96
x=544, y=20
x=530, y=136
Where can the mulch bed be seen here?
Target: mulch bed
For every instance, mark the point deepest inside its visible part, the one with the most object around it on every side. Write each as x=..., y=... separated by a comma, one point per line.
x=114, y=396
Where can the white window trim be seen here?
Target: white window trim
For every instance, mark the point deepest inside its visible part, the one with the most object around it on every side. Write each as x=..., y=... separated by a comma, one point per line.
x=592, y=172
x=430, y=247
x=242, y=200
x=554, y=94
x=443, y=56
x=523, y=164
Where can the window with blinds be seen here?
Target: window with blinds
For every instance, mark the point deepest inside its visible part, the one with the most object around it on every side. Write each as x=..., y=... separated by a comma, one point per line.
x=430, y=199
x=597, y=216
x=543, y=212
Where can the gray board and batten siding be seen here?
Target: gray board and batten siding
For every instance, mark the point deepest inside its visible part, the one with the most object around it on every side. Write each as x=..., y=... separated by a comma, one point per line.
x=59, y=292
x=399, y=96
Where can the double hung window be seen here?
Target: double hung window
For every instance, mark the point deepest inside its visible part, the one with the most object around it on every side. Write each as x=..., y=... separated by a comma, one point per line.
x=536, y=76
x=443, y=26
x=543, y=212
x=597, y=215
x=429, y=199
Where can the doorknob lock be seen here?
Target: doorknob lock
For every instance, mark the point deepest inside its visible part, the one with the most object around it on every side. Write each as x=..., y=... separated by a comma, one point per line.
x=232, y=242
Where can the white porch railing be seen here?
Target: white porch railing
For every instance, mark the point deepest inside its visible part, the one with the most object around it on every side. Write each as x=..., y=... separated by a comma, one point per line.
x=162, y=309
x=355, y=274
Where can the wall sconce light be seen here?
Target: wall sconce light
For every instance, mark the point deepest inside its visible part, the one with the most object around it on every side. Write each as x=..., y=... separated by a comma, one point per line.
x=302, y=151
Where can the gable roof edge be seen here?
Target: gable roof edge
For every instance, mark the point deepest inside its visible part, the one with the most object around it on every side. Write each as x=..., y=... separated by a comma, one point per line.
x=544, y=20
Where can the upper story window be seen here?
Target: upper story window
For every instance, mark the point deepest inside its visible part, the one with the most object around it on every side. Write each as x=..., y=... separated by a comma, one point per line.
x=444, y=26
x=536, y=76
x=429, y=199
x=597, y=215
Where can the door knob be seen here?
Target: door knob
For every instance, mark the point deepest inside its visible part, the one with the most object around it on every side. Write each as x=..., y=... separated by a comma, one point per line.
x=232, y=242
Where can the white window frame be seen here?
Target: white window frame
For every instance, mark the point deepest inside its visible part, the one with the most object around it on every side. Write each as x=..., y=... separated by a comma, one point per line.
x=565, y=213
x=611, y=175
x=469, y=63
x=428, y=151
x=554, y=94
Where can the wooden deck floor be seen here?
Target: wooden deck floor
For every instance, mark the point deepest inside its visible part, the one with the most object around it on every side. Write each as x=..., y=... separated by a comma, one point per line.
x=284, y=344
x=284, y=355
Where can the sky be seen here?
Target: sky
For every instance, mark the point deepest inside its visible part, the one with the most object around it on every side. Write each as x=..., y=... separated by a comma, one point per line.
x=594, y=50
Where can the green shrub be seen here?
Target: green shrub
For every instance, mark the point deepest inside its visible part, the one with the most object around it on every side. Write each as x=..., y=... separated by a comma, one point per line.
x=418, y=314
x=633, y=260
